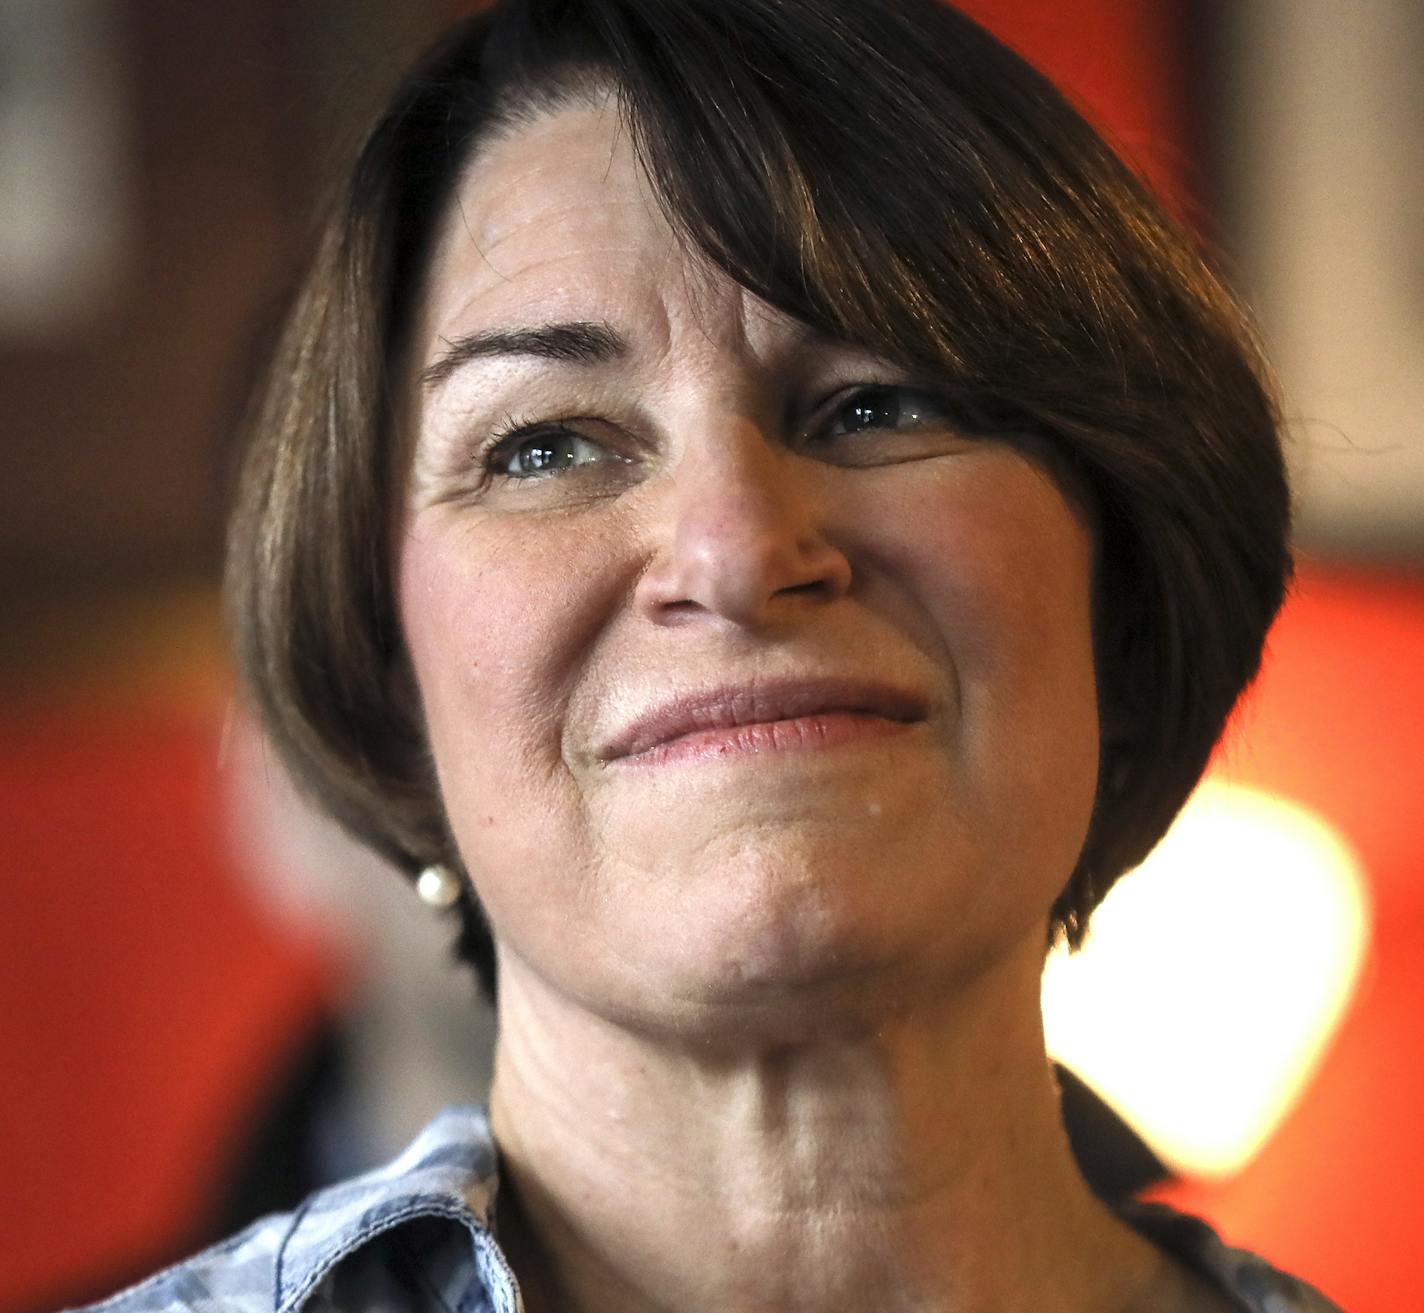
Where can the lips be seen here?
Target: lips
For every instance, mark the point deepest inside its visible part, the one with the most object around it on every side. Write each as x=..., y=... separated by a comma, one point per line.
x=807, y=705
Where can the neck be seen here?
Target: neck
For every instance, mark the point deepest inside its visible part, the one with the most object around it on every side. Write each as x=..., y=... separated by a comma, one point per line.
x=913, y=1159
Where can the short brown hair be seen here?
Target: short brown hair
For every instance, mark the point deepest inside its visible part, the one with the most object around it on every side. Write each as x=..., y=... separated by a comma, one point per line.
x=886, y=172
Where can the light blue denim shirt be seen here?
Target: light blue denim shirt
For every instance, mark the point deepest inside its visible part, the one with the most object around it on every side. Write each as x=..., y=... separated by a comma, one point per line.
x=415, y=1237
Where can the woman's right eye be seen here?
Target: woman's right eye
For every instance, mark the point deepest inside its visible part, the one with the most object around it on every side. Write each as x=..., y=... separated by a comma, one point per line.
x=545, y=453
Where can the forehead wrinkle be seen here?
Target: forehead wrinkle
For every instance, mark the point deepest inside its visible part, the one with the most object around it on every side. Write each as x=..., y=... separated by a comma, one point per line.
x=716, y=309
x=525, y=173
x=574, y=210
x=678, y=316
x=472, y=213
x=536, y=258
x=452, y=323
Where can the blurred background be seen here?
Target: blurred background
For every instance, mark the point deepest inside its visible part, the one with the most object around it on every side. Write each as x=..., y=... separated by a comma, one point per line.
x=209, y=1002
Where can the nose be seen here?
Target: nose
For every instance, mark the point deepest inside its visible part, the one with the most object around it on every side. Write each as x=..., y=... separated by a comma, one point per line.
x=741, y=536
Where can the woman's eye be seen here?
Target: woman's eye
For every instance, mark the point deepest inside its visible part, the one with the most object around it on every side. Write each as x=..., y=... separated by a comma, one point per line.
x=546, y=453
x=884, y=408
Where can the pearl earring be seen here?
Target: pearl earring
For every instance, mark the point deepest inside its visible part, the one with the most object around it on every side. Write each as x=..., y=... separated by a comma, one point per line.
x=438, y=886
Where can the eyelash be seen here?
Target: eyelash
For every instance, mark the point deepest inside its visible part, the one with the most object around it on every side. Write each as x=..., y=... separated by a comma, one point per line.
x=503, y=443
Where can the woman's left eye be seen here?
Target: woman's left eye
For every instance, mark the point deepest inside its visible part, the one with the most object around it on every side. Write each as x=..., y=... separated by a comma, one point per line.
x=884, y=408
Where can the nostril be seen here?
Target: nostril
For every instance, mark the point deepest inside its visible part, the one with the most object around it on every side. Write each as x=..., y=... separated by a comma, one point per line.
x=815, y=587
x=737, y=550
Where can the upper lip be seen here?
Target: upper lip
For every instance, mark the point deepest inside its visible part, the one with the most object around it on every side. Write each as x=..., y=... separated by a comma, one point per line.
x=730, y=705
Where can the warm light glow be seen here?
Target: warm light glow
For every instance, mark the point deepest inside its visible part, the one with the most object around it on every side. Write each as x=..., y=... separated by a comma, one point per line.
x=1213, y=976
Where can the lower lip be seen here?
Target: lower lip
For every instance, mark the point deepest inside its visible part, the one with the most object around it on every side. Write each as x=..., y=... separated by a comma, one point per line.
x=826, y=729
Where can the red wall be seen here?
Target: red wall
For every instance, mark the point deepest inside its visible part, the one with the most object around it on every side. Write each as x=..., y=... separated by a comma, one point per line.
x=1337, y=723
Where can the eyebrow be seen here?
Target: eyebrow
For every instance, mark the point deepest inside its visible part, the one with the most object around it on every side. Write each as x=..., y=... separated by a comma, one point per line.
x=575, y=343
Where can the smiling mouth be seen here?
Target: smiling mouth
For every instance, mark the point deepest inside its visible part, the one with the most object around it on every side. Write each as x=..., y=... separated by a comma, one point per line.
x=738, y=721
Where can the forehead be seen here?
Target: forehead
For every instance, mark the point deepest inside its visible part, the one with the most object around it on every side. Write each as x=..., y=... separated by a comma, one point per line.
x=555, y=221
x=555, y=213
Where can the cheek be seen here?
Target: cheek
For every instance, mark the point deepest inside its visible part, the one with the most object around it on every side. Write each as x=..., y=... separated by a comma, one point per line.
x=490, y=689
x=1005, y=565
x=490, y=712
x=462, y=661
x=502, y=618
x=1003, y=569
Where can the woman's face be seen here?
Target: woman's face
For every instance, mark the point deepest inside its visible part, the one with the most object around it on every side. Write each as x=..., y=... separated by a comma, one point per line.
x=746, y=675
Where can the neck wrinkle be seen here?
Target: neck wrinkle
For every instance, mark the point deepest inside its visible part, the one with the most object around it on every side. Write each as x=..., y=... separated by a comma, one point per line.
x=919, y=1165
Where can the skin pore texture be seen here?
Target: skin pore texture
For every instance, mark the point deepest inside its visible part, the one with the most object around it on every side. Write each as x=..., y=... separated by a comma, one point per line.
x=769, y=1019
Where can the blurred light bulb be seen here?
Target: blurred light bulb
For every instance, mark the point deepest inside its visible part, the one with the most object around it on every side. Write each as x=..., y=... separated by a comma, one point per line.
x=1213, y=976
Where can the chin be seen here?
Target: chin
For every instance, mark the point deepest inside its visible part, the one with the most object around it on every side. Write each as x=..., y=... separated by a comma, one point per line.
x=796, y=946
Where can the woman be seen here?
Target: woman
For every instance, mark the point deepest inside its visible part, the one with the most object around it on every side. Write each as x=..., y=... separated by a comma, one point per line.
x=757, y=509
